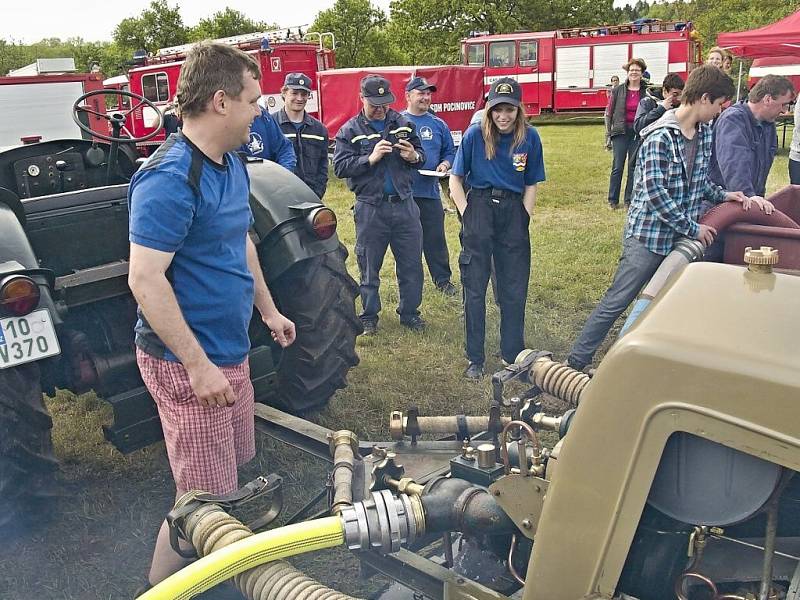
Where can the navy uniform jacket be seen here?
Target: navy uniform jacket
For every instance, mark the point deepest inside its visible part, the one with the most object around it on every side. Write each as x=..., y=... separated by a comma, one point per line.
x=310, y=143
x=267, y=142
x=744, y=149
x=354, y=144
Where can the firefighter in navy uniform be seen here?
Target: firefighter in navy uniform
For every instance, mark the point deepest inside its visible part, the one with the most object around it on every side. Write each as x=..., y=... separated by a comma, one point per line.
x=308, y=136
x=378, y=151
x=501, y=162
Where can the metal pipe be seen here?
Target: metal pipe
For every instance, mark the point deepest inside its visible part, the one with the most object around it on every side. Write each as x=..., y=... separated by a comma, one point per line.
x=769, y=549
x=344, y=448
x=754, y=546
x=457, y=505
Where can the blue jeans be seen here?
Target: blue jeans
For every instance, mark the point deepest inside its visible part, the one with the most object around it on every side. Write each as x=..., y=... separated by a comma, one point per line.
x=636, y=266
x=623, y=145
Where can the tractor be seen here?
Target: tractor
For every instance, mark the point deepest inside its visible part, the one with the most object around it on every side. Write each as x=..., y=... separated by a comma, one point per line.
x=67, y=314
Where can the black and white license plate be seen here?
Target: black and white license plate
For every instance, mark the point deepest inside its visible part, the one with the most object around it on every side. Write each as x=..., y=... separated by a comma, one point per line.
x=28, y=338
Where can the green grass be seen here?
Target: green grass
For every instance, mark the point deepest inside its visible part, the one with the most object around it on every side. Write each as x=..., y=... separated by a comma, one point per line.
x=113, y=502
x=576, y=242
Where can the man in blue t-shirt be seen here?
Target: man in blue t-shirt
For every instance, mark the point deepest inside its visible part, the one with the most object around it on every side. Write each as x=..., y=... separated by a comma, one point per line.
x=266, y=140
x=195, y=274
x=439, y=154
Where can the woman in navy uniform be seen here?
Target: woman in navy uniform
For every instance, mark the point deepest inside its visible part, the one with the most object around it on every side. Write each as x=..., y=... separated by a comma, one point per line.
x=502, y=163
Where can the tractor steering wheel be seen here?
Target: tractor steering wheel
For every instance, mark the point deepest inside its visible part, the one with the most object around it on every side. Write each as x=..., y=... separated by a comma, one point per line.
x=116, y=119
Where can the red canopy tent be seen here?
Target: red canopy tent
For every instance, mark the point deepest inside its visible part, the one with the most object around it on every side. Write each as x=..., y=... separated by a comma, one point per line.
x=778, y=39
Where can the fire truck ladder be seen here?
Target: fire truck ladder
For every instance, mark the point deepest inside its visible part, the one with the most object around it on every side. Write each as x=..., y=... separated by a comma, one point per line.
x=247, y=41
x=656, y=26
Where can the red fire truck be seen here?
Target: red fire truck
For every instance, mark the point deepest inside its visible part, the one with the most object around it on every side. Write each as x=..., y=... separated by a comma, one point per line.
x=278, y=53
x=37, y=102
x=335, y=99
x=571, y=69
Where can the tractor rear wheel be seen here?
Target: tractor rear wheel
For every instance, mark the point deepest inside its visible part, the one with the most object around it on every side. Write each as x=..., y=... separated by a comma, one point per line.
x=27, y=462
x=318, y=294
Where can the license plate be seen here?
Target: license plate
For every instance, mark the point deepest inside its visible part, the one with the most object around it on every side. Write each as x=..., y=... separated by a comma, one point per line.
x=28, y=338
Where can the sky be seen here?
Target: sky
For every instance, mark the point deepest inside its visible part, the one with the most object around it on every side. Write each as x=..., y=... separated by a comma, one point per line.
x=94, y=20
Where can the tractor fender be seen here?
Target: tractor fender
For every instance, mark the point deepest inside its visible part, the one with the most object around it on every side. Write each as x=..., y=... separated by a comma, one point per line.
x=17, y=257
x=281, y=203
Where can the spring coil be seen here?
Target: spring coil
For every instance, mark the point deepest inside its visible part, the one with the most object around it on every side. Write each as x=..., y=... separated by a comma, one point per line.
x=211, y=528
x=559, y=380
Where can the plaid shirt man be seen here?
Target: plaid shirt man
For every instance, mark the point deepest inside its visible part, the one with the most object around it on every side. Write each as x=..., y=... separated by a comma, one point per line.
x=663, y=206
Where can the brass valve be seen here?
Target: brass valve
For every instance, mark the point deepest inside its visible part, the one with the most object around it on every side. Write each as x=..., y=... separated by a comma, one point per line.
x=760, y=260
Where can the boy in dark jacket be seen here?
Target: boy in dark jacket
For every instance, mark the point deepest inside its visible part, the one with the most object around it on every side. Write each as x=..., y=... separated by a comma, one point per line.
x=653, y=106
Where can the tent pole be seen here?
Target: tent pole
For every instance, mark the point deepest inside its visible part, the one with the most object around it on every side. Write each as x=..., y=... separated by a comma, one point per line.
x=739, y=84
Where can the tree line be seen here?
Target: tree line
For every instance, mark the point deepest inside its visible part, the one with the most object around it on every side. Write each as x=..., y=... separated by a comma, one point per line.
x=413, y=32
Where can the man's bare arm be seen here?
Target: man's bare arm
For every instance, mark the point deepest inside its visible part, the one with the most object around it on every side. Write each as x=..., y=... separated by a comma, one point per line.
x=148, y=282
x=283, y=330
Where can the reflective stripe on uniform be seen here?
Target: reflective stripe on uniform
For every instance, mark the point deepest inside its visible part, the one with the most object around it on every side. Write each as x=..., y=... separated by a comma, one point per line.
x=366, y=137
x=290, y=135
x=311, y=136
x=399, y=129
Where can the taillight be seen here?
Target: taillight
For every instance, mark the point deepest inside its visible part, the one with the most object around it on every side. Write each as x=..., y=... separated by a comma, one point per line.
x=19, y=295
x=323, y=222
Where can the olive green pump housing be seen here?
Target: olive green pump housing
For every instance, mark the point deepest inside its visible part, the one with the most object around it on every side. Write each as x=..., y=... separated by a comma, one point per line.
x=716, y=355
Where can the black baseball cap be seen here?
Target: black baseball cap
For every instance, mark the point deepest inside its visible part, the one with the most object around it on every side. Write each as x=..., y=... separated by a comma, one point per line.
x=375, y=89
x=420, y=83
x=298, y=81
x=504, y=91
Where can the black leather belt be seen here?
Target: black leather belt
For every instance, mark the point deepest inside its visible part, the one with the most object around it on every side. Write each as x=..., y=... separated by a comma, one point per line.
x=496, y=193
x=392, y=198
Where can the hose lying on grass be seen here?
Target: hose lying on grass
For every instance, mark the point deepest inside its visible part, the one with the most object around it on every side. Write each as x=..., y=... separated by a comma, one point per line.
x=229, y=549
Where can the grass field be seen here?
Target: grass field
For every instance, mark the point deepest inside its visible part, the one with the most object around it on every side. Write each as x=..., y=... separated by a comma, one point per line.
x=96, y=541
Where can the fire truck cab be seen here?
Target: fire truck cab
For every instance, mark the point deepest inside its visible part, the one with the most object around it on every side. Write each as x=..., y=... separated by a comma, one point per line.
x=278, y=53
x=571, y=69
x=37, y=102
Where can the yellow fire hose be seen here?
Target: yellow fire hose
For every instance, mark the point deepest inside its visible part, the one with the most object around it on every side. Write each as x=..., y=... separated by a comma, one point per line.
x=247, y=553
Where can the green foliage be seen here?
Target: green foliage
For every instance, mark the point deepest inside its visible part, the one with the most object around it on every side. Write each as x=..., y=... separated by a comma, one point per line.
x=712, y=17
x=158, y=26
x=359, y=30
x=226, y=23
x=108, y=55
x=430, y=30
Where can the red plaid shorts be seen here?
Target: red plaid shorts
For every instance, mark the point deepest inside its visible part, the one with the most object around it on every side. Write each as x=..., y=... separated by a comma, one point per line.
x=204, y=444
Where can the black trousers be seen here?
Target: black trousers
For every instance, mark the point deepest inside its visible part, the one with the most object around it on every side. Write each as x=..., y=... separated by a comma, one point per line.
x=794, y=172
x=434, y=244
x=495, y=227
